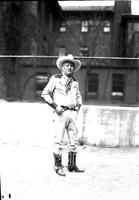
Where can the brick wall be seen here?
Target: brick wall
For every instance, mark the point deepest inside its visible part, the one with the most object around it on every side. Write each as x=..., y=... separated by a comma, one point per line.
x=98, y=42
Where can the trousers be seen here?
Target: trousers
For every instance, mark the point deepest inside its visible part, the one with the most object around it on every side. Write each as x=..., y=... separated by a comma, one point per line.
x=65, y=131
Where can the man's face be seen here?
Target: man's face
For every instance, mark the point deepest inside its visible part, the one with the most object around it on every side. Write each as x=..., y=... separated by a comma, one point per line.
x=68, y=68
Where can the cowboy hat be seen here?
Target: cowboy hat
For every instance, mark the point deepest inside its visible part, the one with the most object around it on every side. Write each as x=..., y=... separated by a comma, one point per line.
x=69, y=58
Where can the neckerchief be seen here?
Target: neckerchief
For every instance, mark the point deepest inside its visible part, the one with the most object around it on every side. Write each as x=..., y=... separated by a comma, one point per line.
x=68, y=84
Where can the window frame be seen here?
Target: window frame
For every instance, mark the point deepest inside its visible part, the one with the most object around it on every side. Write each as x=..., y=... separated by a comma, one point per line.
x=93, y=94
x=84, y=26
x=136, y=26
x=121, y=93
x=84, y=51
x=42, y=79
x=63, y=26
x=107, y=26
x=61, y=51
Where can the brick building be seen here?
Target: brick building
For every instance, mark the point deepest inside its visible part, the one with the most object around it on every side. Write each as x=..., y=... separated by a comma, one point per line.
x=98, y=31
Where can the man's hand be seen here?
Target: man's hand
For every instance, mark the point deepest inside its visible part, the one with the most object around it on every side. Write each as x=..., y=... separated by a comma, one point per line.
x=59, y=110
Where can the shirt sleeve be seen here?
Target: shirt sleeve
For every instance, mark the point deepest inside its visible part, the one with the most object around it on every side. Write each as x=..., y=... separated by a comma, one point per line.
x=79, y=97
x=47, y=93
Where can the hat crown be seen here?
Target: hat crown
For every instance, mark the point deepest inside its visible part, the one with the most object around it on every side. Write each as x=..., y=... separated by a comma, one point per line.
x=70, y=56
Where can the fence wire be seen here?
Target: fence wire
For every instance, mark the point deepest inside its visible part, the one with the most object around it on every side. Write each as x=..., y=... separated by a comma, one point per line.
x=103, y=80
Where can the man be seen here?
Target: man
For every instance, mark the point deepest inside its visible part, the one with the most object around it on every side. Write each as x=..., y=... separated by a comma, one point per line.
x=63, y=95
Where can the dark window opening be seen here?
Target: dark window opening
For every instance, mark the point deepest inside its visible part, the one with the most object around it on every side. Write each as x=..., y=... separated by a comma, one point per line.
x=84, y=51
x=41, y=81
x=118, y=86
x=93, y=85
x=61, y=51
x=63, y=27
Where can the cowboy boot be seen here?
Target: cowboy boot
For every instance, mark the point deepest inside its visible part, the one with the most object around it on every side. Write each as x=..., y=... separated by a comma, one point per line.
x=58, y=166
x=72, y=167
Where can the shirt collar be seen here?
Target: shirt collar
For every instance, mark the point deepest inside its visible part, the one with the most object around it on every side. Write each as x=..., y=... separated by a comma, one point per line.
x=65, y=78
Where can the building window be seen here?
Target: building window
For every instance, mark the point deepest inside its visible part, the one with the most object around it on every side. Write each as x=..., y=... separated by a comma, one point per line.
x=136, y=27
x=41, y=81
x=93, y=84
x=118, y=86
x=61, y=51
x=84, y=26
x=63, y=27
x=107, y=27
x=84, y=51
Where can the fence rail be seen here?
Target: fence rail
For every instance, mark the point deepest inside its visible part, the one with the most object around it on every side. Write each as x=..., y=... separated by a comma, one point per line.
x=79, y=57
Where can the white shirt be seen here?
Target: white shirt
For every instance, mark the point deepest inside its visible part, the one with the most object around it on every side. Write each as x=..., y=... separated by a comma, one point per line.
x=55, y=93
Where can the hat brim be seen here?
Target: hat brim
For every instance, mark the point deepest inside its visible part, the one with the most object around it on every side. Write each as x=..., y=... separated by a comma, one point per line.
x=76, y=63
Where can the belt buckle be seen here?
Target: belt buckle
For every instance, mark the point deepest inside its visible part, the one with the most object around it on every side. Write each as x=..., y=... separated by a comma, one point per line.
x=65, y=108
x=74, y=109
x=68, y=108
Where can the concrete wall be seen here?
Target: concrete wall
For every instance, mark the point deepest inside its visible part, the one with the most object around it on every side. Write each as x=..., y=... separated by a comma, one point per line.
x=109, y=126
x=100, y=126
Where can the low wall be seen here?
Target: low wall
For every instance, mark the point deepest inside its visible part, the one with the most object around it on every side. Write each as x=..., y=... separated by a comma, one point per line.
x=109, y=126
x=32, y=124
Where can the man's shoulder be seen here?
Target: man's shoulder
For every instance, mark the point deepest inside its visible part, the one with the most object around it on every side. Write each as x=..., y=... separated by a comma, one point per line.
x=57, y=75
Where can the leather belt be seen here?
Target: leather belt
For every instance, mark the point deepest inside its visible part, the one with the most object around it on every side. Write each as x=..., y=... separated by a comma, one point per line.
x=67, y=108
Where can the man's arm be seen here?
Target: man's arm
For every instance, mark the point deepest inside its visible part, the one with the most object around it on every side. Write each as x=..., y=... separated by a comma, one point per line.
x=47, y=93
x=79, y=99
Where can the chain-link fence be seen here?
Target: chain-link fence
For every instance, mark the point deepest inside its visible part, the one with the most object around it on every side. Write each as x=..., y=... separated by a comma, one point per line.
x=103, y=80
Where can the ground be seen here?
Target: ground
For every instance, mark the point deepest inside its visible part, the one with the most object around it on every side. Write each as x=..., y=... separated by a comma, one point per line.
x=27, y=163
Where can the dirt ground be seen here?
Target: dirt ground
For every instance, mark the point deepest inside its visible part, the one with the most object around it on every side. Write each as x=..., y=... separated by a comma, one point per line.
x=26, y=162
x=110, y=174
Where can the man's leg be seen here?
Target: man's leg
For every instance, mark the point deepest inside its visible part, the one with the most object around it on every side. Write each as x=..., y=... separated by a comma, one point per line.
x=73, y=141
x=59, y=131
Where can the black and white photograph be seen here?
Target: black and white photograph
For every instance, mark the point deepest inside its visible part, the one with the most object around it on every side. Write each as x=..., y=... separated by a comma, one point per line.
x=69, y=100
